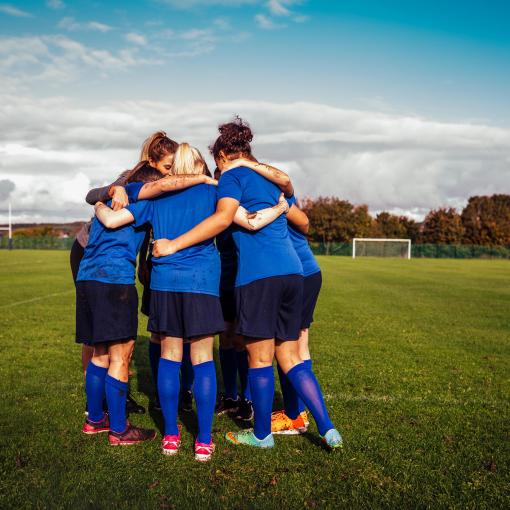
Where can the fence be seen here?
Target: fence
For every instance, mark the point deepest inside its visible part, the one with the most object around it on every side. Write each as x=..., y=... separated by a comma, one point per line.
x=436, y=251
x=37, y=243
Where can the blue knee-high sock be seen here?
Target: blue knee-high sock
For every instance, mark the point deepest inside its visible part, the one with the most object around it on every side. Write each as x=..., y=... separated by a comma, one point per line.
x=187, y=373
x=94, y=387
x=290, y=396
x=204, y=390
x=228, y=364
x=302, y=407
x=293, y=405
x=154, y=355
x=304, y=382
x=168, y=390
x=116, y=393
x=262, y=393
x=242, y=368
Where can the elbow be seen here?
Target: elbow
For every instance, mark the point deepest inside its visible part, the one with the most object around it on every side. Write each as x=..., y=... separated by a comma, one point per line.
x=305, y=228
x=110, y=223
x=223, y=223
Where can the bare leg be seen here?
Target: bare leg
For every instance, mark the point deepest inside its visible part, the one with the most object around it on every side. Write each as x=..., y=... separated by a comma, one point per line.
x=87, y=352
x=304, y=350
x=120, y=354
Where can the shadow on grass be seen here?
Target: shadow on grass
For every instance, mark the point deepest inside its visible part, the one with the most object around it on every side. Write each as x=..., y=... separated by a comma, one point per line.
x=146, y=386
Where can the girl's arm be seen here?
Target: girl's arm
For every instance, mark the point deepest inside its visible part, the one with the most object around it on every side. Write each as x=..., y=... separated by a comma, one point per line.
x=113, y=219
x=207, y=229
x=298, y=219
x=281, y=179
x=115, y=191
x=173, y=183
x=259, y=219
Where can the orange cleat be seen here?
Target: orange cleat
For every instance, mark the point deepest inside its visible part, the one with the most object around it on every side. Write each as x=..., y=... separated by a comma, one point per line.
x=282, y=424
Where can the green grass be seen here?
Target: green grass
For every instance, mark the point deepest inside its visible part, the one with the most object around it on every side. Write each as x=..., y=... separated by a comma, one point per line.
x=413, y=357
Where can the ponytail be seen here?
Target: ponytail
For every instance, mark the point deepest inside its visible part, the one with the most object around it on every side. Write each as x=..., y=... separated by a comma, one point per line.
x=157, y=146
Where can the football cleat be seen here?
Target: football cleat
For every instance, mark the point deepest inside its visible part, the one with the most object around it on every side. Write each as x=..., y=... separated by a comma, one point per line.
x=282, y=424
x=203, y=452
x=247, y=437
x=132, y=435
x=332, y=439
x=91, y=427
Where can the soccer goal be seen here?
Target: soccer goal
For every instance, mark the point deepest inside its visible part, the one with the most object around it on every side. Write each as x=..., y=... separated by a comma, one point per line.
x=9, y=228
x=365, y=247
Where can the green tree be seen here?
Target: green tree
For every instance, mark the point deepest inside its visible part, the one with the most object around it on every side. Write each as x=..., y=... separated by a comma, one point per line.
x=335, y=220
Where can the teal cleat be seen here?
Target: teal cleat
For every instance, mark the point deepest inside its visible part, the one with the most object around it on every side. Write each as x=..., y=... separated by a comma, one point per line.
x=247, y=437
x=332, y=439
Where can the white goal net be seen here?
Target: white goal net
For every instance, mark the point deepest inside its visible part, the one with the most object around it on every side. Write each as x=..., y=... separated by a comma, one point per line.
x=365, y=247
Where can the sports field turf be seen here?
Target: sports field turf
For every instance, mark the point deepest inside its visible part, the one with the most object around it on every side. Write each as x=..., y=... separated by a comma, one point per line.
x=413, y=357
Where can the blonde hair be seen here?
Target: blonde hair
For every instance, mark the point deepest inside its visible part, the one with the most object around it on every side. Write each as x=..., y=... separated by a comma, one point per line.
x=188, y=160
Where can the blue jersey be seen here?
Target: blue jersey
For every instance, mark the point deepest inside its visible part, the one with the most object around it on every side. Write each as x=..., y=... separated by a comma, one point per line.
x=195, y=269
x=110, y=255
x=266, y=252
x=302, y=247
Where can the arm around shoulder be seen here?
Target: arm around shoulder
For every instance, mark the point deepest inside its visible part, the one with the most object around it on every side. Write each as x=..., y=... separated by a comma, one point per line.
x=112, y=219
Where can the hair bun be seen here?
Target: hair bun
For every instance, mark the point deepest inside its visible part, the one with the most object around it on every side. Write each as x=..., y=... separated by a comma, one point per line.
x=235, y=137
x=238, y=131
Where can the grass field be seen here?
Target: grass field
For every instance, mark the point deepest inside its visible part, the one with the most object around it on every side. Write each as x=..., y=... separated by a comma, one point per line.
x=413, y=357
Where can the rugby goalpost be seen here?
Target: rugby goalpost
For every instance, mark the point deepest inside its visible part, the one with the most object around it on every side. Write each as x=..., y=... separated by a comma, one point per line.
x=373, y=247
x=9, y=227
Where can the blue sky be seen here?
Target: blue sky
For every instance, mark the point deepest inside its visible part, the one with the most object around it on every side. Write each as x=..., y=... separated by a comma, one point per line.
x=448, y=59
x=443, y=65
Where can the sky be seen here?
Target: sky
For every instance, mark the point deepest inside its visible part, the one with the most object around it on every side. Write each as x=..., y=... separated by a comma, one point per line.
x=401, y=105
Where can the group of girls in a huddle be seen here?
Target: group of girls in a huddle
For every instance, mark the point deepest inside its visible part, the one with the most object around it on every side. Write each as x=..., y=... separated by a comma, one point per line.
x=229, y=257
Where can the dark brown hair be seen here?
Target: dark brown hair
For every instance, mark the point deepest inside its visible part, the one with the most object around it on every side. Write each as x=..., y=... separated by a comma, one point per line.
x=143, y=172
x=157, y=146
x=234, y=139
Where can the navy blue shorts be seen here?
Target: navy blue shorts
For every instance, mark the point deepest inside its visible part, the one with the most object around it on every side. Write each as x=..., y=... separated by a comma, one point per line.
x=185, y=314
x=105, y=312
x=311, y=288
x=228, y=304
x=271, y=307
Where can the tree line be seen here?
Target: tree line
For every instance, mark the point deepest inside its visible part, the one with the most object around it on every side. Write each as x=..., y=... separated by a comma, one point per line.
x=485, y=221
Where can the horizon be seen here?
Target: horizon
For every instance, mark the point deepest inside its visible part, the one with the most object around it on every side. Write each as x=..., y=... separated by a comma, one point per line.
x=390, y=104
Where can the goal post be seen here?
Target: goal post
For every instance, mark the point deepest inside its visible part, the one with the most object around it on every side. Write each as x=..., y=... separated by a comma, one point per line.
x=9, y=228
x=374, y=247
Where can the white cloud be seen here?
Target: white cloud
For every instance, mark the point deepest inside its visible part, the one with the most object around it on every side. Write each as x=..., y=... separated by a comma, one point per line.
x=192, y=4
x=195, y=33
x=72, y=25
x=389, y=161
x=279, y=7
x=10, y=10
x=59, y=59
x=266, y=23
x=222, y=23
x=55, y=4
x=136, y=38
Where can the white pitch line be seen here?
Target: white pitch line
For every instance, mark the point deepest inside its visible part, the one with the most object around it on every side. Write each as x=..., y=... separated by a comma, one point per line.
x=32, y=300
